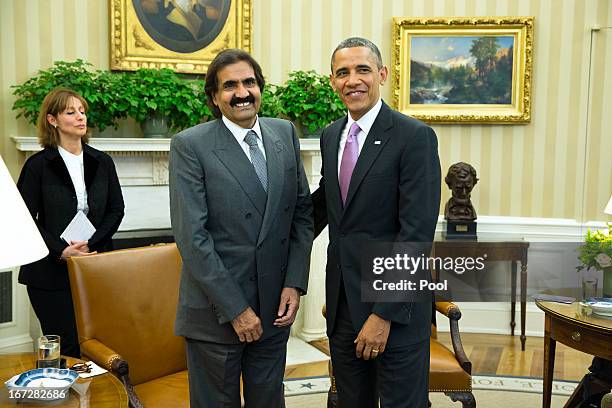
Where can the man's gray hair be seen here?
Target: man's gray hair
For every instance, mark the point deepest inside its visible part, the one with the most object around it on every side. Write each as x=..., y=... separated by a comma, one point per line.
x=358, y=42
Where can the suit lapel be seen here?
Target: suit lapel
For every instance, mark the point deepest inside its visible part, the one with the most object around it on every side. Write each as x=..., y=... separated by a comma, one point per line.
x=90, y=165
x=331, y=163
x=240, y=167
x=276, y=179
x=59, y=167
x=373, y=145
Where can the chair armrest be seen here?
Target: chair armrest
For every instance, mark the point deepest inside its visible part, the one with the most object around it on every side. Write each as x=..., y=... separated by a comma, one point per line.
x=449, y=310
x=110, y=360
x=100, y=354
x=453, y=313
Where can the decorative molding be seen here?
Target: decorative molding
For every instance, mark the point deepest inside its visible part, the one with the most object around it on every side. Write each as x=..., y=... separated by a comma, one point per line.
x=160, y=170
x=135, y=144
x=106, y=144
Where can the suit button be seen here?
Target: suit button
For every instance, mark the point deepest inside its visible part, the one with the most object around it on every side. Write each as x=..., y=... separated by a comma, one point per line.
x=247, y=216
x=283, y=240
x=253, y=278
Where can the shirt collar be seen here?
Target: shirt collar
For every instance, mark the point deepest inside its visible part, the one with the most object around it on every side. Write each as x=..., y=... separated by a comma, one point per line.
x=240, y=132
x=366, y=121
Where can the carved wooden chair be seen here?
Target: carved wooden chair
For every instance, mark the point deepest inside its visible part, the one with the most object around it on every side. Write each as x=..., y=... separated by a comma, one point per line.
x=450, y=372
x=125, y=304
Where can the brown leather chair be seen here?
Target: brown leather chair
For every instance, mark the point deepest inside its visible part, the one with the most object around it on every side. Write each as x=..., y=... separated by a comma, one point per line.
x=125, y=304
x=450, y=372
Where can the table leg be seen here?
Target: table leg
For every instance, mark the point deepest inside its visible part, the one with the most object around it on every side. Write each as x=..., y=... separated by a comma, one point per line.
x=513, y=298
x=523, y=302
x=549, y=363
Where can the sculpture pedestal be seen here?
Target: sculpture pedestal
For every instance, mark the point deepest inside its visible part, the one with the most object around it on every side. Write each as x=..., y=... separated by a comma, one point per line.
x=460, y=230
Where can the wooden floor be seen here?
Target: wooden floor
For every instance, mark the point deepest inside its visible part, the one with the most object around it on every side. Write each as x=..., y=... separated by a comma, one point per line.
x=490, y=354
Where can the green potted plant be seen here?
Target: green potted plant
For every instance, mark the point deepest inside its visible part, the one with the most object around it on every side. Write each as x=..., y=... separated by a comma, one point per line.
x=597, y=253
x=308, y=99
x=159, y=99
x=99, y=88
x=270, y=106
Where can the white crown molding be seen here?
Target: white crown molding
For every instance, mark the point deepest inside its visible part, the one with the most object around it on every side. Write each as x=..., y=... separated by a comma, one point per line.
x=133, y=144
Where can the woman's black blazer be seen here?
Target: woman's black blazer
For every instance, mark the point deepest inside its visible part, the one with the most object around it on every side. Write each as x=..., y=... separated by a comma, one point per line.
x=48, y=191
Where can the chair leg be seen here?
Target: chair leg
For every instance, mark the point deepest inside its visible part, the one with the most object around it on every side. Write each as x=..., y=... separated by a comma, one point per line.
x=332, y=398
x=466, y=398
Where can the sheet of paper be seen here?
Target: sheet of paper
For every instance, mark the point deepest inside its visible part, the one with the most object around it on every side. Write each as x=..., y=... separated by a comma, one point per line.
x=95, y=370
x=79, y=229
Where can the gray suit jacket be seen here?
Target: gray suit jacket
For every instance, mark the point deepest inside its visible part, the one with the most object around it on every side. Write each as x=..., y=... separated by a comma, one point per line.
x=239, y=246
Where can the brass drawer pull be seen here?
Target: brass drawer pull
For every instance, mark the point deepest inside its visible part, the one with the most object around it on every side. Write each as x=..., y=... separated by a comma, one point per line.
x=576, y=336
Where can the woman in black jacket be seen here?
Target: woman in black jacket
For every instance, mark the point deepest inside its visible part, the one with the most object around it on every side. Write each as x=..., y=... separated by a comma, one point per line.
x=67, y=176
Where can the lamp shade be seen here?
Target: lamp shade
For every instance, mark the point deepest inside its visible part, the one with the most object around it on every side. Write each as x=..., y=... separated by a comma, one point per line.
x=608, y=209
x=20, y=240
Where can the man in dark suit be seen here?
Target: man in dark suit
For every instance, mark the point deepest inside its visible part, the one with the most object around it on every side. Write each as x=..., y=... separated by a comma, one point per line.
x=242, y=218
x=380, y=183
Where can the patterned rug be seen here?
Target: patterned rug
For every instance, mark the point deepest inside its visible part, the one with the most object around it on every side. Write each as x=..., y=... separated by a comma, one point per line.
x=489, y=391
x=315, y=385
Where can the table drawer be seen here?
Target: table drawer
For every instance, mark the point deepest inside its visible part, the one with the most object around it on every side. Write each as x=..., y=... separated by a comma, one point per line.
x=585, y=339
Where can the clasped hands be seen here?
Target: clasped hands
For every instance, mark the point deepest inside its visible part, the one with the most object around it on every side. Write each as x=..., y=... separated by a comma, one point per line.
x=372, y=338
x=248, y=326
x=77, y=248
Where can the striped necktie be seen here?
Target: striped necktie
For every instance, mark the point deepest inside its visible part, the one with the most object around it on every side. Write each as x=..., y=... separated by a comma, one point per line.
x=349, y=159
x=257, y=158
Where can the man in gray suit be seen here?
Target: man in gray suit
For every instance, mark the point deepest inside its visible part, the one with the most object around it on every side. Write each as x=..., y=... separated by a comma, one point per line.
x=242, y=219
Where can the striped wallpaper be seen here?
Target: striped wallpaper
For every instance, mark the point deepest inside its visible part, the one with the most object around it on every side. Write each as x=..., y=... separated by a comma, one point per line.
x=558, y=166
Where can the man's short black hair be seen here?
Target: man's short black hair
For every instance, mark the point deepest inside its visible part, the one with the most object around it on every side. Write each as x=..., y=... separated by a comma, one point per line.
x=223, y=59
x=358, y=42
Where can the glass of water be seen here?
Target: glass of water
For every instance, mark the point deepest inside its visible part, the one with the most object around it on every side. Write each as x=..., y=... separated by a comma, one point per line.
x=48, y=351
x=589, y=287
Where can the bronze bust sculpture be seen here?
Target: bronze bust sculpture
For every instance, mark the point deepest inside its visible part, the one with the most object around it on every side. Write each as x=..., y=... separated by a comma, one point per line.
x=461, y=179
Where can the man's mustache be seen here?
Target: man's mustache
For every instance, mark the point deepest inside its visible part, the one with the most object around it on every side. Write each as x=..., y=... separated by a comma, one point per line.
x=236, y=100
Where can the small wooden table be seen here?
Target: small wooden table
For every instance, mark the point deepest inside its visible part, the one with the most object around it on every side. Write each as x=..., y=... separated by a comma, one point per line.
x=570, y=325
x=105, y=391
x=514, y=251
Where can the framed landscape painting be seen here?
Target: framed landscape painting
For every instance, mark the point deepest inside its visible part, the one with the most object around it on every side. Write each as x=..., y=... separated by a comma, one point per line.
x=470, y=70
x=183, y=35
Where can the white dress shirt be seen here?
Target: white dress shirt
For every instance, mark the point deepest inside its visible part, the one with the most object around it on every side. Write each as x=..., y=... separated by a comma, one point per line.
x=365, y=124
x=74, y=163
x=240, y=133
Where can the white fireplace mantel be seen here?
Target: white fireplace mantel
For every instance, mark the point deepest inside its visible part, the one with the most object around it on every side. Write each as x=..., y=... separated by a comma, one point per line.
x=132, y=145
x=142, y=167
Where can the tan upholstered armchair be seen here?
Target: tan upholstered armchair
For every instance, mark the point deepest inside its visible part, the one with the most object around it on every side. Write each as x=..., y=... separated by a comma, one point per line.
x=125, y=304
x=450, y=372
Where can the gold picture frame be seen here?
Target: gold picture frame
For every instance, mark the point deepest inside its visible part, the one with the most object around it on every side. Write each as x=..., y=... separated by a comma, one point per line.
x=463, y=69
x=159, y=34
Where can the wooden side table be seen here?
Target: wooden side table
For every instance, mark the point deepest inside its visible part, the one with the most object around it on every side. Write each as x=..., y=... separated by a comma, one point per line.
x=514, y=251
x=570, y=325
x=105, y=391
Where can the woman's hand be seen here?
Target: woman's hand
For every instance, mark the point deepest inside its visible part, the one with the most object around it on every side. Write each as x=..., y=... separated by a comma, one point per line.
x=76, y=248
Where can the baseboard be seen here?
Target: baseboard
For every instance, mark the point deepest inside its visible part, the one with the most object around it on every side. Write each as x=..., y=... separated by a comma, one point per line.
x=22, y=343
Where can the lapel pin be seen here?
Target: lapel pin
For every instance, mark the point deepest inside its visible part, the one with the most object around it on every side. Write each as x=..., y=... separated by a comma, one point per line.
x=377, y=142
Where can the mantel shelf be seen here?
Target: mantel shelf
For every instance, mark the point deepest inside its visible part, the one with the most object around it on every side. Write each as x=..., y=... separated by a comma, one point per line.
x=113, y=144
